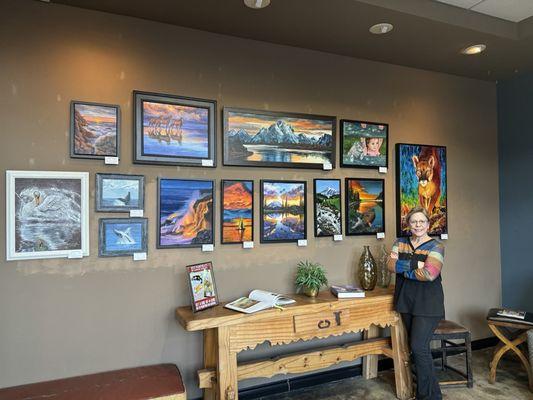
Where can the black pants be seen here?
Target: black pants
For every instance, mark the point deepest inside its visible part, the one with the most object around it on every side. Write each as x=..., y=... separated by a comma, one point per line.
x=419, y=330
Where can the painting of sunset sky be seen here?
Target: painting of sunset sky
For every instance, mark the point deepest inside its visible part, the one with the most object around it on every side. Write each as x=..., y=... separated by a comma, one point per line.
x=237, y=211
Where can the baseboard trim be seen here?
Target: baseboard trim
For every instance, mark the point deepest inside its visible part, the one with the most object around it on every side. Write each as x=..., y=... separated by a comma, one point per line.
x=309, y=380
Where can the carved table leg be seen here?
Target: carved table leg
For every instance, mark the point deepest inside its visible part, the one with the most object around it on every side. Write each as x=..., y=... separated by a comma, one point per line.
x=370, y=363
x=210, y=358
x=226, y=367
x=402, y=369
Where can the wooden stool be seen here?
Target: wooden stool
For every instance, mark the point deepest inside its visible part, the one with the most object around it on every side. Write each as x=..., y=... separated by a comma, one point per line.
x=509, y=341
x=446, y=331
x=152, y=382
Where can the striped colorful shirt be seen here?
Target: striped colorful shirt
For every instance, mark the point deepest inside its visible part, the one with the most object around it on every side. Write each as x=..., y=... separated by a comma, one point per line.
x=422, y=264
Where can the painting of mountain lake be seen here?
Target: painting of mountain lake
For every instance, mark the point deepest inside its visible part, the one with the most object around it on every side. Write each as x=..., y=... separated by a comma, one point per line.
x=94, y=130
x=421, y=181
x=122, y=236
x=119, y=193
x=327, y=205
x=174, y=130
x=364, y=144
x=185, y=213
x=47, y=214
x=237, y=211
x=365, y=206
x=283, y=211
x=275, y=139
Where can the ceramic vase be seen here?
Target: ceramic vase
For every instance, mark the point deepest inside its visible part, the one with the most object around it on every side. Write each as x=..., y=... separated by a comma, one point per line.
x=367, y=272
x=384, y=275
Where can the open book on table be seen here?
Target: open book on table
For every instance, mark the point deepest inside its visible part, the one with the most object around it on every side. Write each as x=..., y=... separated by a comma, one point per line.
x=259, y=300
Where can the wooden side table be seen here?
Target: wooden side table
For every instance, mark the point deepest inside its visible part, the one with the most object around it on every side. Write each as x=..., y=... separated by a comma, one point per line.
x=509, y=341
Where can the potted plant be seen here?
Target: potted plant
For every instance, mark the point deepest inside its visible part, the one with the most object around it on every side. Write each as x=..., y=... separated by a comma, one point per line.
x=310, y=277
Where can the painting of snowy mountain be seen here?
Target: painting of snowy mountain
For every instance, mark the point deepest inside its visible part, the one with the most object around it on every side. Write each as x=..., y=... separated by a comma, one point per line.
x=327, y=204
x=274, y=139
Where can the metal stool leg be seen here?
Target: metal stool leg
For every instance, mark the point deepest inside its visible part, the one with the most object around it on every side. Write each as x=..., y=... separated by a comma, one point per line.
x=443, y=350
x=468, y=344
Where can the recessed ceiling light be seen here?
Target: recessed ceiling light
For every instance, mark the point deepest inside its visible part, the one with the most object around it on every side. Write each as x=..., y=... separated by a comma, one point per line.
x=257, y=3
x=381, y=29
x=475, y=49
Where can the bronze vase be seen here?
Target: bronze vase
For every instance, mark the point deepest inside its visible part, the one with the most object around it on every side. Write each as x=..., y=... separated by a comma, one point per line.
x=311, y=292
x=367, y=272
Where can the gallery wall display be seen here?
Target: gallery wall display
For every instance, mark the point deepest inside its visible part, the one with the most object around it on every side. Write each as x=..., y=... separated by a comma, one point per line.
x=364, y=144
x=94, y=130
x=201, y=281
x=365, y=206
x=122, y=236
x=185, y=213
x=278, y=139
x=237, y=211
x=174, y=130
x=327, y=207
x=421, y=181
x=47, y=214
x=119, y=192
x=283, y=211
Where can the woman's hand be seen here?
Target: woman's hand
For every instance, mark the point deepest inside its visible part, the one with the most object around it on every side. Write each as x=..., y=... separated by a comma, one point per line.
x=391, y=262
x=421, y=264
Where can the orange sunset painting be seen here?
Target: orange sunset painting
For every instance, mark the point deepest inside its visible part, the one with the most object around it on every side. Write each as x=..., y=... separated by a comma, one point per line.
x=237, y=211
x=94, y=130
x=364, y=206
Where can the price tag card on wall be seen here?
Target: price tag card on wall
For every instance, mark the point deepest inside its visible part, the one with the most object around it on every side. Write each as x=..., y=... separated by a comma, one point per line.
x=208, y=247
x=382, y=170
x=111, y=160
x=327, y=166
x=302, y=242
x=380, y=235
x=136, y=213
x=444, y=236
x=207, y=163
x=247, y=245
x=139, y=256
x=75, y=254
x=337, y=238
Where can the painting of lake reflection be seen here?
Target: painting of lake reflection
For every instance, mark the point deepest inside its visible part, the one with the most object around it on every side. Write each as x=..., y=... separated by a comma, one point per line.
x=283, y=211
x=275, y=139
x=365, y=206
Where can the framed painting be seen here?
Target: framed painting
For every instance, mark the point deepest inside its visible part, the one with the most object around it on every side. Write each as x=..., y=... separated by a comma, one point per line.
x=47, y=214
x=421, y=181
x=202, y=286
x=278, y=139
x=185, y=213
x=283, y=211
x=327, y=207
x=94, y=130
x=119, y=193
x=174, y=130
x=237, y=211
x=365, y=206
x=122, y=236
x=364, y=144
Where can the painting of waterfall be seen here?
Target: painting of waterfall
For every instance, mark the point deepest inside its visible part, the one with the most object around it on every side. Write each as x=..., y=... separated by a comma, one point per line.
x=174, y=130
x=275, y=139
x=94, y=130
x=122, y=236
x=185, y=213
x=47, y=214
x=327, y=206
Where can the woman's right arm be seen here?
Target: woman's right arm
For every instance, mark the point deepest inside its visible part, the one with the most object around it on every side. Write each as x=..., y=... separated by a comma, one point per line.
x=394, y=263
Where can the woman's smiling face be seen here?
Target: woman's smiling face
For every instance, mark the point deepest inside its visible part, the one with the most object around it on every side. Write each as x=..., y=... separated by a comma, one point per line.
x=419, y=224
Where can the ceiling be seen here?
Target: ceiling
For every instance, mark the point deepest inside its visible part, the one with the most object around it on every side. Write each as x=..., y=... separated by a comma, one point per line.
x=428, y=34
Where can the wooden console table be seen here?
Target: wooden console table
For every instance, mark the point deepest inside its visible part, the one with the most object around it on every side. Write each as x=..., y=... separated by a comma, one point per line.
x=228, y=332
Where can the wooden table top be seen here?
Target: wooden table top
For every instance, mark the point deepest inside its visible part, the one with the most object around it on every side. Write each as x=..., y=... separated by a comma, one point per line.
x=325, y=301
x=508, y=324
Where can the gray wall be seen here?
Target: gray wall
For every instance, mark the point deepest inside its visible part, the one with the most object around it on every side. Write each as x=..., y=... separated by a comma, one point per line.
x=62, y=318
x=515, y=124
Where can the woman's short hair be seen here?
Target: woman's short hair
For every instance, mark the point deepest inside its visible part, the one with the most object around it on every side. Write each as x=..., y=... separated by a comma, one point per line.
x=414, y=210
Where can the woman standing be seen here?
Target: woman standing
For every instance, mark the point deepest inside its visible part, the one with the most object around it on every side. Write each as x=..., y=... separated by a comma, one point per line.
x=418, y=296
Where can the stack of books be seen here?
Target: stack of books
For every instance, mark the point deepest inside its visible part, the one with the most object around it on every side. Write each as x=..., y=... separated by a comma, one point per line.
x=347, y=291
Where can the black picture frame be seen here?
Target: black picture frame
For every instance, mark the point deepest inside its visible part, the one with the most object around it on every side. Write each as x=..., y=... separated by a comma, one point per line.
x=358, y=161
x=104, y=251
x=316, y=187
x=99, y=193
x=233, y=149
x=222, y=209
x=76, y=137
x=211, y=220
x=172, y=131
x=358, y=228
x=201, y=303
x=303, y=197
x=405, y=170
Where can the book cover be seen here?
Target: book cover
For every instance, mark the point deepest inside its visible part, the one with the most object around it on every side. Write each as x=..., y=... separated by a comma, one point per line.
x=347, y=291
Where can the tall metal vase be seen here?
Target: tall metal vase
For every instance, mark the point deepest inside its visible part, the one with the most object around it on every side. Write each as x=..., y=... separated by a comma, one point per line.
x=367, y=272
x=384, y=275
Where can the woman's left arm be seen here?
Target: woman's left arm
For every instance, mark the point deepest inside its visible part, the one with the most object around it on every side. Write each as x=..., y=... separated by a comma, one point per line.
x=430, y=269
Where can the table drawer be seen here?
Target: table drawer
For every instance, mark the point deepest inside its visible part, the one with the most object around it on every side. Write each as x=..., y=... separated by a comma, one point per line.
x=324, y=322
